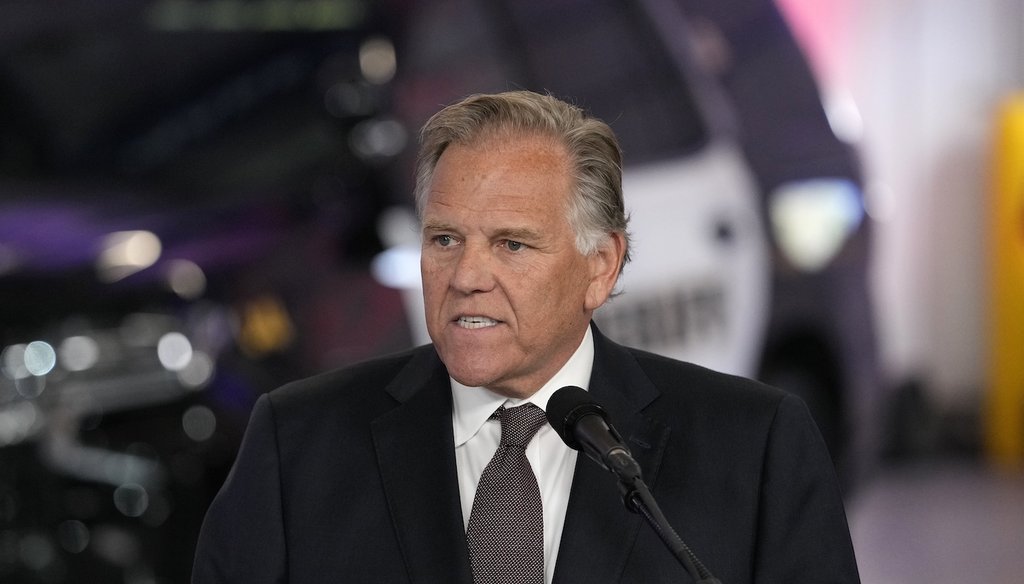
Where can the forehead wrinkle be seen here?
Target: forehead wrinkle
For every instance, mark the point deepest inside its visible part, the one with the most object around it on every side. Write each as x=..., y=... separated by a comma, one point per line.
x=493, y=189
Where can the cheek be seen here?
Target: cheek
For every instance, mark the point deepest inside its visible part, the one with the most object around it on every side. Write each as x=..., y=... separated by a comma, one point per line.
x=573, y=279
x=432, y=272
x=432, y=285
x=559, y=296
x=433, y=296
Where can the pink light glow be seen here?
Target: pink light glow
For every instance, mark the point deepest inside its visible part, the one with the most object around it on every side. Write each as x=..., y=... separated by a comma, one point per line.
x=823, y=28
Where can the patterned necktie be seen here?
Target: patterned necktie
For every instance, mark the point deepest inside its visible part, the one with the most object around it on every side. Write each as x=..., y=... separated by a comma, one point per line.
x=506, y=525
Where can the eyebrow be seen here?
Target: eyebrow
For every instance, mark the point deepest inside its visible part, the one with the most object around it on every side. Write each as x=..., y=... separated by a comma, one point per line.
x=513, y=233
x=518, y=233
x=437, y=226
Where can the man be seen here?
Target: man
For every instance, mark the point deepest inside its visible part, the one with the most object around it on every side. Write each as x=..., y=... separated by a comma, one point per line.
x=380, y=472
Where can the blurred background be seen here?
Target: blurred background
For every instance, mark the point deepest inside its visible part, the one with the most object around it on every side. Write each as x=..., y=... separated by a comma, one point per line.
x=203, y=199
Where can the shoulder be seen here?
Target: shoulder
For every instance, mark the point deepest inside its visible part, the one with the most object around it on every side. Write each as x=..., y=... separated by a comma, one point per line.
x=724, y=411
x=701, y=404
x=358, y=387
x=686, y=384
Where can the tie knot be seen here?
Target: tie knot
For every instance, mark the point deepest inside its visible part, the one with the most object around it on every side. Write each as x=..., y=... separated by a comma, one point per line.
x=519, y=424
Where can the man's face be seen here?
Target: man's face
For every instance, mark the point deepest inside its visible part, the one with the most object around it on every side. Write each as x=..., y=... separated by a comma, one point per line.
x=508, y=297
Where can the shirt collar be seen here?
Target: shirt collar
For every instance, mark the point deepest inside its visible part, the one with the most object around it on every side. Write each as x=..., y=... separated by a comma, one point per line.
x=472, y=406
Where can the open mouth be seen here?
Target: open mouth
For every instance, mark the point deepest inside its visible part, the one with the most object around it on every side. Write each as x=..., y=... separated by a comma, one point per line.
x=475, y=322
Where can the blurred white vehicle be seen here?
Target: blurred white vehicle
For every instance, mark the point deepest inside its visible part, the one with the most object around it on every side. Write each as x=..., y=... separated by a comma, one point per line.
x=751, y=247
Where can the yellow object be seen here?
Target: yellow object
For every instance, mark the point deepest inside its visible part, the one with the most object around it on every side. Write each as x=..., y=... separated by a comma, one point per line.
x=266, y=327
x=1005, y=408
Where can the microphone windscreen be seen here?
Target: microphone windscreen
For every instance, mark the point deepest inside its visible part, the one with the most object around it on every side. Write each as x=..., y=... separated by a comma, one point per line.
x=566, y=407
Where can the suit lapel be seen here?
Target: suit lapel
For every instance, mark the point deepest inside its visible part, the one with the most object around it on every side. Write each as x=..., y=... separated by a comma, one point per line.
x=415, y=451
x=599, y=532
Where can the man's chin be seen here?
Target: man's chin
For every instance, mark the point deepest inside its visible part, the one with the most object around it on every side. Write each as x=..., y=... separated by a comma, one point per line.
x=476, y=376
x=472, y=377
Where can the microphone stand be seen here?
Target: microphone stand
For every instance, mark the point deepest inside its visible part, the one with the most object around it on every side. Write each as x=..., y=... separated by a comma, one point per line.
x=583, y=425
x=638, y=499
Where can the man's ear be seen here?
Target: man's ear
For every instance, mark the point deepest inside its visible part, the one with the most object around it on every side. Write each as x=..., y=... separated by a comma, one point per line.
x=605, y=265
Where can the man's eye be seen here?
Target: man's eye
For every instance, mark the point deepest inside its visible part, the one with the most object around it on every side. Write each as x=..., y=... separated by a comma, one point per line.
x=443, y=240
x=514, y=245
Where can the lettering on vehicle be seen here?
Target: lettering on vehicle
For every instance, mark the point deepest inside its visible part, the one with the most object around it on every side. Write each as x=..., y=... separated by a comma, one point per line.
x=684, y=314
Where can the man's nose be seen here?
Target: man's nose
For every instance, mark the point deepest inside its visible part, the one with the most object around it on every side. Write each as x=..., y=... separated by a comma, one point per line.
x=474, y=270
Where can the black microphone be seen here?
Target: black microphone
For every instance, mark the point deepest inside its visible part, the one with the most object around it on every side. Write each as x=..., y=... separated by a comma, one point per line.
x=583, y=425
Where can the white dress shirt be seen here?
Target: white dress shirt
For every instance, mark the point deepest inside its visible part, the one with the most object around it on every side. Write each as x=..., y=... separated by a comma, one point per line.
x=477, y=437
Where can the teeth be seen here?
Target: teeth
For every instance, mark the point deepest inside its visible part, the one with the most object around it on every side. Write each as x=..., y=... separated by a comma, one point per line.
x=475, y=322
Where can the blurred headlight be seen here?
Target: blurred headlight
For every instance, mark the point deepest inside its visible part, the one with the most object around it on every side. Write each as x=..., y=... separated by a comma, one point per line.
x=812, y=219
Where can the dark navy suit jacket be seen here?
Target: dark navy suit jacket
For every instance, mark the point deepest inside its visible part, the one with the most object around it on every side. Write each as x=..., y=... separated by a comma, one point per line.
x=350, y=477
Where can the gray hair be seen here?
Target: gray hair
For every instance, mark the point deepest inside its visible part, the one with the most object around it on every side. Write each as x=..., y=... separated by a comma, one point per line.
x=595, y=210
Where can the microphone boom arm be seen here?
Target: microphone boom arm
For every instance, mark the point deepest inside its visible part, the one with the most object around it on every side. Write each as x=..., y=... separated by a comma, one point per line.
x=638, y=499
x=583, y=425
